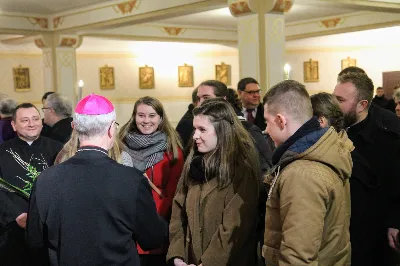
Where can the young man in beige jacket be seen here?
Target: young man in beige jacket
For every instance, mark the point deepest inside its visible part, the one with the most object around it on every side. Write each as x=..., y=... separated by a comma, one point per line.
x=308, y=206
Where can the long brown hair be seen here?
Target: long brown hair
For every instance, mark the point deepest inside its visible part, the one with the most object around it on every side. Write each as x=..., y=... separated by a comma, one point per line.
x=234, y=156
x=72, y=146
x=325, y=105
x=173, y=140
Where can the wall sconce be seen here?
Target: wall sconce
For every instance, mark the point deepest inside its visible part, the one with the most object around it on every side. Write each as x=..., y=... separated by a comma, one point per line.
x=80, y=87
x=286, y=70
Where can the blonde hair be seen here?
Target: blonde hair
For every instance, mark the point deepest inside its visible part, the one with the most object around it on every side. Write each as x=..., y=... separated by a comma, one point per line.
x=72, y=145
x=173, y=140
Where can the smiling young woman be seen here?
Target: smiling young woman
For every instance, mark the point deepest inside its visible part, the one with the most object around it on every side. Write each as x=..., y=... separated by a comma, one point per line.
x=156, y=151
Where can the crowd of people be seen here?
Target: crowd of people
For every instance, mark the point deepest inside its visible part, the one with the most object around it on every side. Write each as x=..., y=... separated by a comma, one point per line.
x=243, y=180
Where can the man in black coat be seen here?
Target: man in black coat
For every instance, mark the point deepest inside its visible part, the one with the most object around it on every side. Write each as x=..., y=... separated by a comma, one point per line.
x=22, y=159
x=185, y=125
x=375, y=133
x=249, y=92
x=91, y=210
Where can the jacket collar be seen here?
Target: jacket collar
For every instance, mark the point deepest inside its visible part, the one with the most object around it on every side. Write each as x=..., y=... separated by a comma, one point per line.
x=377, y=118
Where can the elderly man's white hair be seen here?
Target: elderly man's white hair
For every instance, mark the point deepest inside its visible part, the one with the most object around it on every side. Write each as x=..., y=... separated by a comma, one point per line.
x=92, y=126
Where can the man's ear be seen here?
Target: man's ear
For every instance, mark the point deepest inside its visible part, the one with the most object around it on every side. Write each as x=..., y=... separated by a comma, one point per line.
x=362, y=106
x=280, y=121
x=13, y=125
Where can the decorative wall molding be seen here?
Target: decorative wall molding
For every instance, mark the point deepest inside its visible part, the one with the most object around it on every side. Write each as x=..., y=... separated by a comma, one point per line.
x=126, y=7
x=68, y=42
x=57, y=21
x=331, y=23
x=172, y=31
x=41, y=22
x=240, y=8
x=282, y=6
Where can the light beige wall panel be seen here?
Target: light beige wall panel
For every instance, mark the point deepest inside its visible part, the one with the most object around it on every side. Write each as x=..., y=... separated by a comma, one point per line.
x=126, y=68
x=374, y=61
x=35, y=65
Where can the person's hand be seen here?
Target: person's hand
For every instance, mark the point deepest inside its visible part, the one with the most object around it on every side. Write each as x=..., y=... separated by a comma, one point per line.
x=393, y=237
x=21, y=220
x=179, y=262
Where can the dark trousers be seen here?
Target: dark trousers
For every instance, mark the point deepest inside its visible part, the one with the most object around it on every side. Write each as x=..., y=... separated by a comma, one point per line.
x=153, y=260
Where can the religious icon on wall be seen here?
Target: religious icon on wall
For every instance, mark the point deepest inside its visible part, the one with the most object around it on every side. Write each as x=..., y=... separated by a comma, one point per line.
x=185, y=76
x=107, y=80
x=223, y=73
x=22, y=81
x=311, y=71
x=348, y=62
x=146, y=77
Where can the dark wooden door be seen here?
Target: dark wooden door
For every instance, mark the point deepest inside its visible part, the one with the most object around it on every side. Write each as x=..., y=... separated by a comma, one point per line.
x=390, y=80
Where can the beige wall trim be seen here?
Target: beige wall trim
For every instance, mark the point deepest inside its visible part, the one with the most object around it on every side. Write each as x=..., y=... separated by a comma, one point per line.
x=186, y=9
x=161, y=98
x=20, y=54
x=132, y=100
x=343, y=30
x=316, y=20
x=157, y=39
x=189, y=27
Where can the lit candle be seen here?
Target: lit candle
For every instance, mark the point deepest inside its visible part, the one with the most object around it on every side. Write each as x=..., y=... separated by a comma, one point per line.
x=287, y=69
x=80, y=87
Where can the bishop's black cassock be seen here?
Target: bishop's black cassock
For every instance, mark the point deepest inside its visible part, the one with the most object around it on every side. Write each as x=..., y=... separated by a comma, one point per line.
x=91, y=210
x=20, y=164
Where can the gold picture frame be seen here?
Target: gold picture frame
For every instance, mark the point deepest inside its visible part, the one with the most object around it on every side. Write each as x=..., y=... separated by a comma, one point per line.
x=107, y=78
x=348, y=62
x=22, y=81
x=311, y=71
x=146, y=77
x=185, y=76
x=223, y=73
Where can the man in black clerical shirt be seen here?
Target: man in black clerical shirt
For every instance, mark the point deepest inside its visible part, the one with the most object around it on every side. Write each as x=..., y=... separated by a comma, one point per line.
x=22, y=159
x=91, y=210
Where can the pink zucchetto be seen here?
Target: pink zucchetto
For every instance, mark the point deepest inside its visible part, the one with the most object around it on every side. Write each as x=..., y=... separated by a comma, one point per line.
x=94, y=104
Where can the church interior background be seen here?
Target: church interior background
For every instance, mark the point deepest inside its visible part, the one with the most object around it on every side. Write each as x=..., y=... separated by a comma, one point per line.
x=128, y=49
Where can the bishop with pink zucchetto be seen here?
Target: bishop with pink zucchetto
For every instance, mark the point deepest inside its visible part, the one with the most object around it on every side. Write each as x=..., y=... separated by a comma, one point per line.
x=90, y=209
x=94, y=104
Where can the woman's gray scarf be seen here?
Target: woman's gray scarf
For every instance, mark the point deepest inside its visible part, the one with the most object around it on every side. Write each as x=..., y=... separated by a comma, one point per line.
x=146, y=150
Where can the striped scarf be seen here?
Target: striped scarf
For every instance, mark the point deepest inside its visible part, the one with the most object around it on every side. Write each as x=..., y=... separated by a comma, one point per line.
x=146, y=150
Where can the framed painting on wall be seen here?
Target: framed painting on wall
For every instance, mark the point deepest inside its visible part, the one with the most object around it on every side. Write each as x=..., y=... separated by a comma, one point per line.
x=311, y=71
x=348, y=62
x=146, y=77
x=223, y=73
x=107, y=81
x=22, y=81
x=185, y=76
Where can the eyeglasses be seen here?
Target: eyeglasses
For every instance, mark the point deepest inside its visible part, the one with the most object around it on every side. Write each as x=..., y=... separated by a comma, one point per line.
x=44, y=108
x=252, y=93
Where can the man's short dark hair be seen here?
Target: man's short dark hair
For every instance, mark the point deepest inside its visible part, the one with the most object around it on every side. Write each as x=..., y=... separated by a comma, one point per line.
x=362, y=83
x=22, y=105
x=220, y=89
x=46, y=95
x=243, y=83
x=380, y=88
x=195, y=99
x=352, y=69
x=291, y=97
